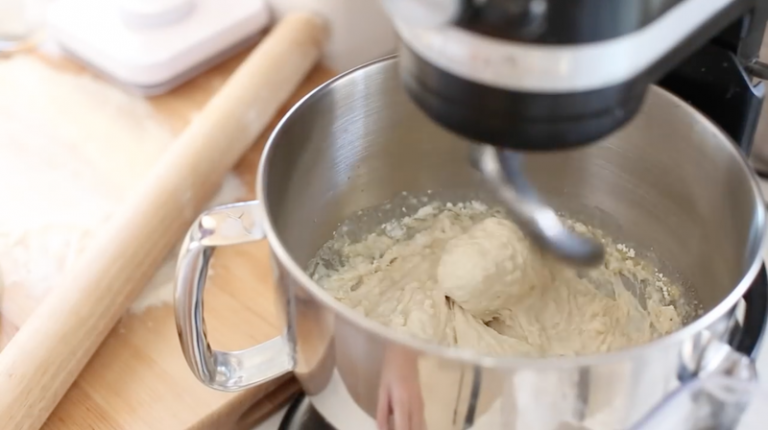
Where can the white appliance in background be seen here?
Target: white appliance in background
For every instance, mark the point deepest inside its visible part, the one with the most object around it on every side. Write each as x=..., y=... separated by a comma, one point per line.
x=153, y=46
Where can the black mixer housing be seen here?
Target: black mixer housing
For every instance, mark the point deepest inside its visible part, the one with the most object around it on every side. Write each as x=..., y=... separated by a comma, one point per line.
x=707, y=69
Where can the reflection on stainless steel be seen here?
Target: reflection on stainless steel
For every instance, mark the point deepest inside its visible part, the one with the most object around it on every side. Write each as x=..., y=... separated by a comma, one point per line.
x=715, y=400
x=226, y=371
x=503, y=171
x=669, y=181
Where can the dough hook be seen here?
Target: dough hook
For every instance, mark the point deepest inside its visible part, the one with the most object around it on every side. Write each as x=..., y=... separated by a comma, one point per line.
x=503, y=171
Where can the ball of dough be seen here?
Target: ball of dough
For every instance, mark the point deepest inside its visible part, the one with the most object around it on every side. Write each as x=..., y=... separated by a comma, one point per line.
x=487, y=266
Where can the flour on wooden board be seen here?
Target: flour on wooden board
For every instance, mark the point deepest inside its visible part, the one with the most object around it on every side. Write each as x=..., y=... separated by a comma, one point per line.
x=71, y=149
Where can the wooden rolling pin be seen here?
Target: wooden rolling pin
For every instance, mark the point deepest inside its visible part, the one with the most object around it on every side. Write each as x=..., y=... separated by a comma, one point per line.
x=40, y=363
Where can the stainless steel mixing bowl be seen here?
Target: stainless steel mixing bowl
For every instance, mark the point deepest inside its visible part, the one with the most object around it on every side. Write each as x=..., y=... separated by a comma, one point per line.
x=670, y=182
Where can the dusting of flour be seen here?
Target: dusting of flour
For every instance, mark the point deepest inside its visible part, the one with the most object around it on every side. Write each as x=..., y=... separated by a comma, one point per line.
x=462, y=275
x=71, y=149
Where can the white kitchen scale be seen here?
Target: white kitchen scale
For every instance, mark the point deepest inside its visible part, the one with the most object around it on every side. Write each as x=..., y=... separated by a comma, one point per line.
x=152, y=46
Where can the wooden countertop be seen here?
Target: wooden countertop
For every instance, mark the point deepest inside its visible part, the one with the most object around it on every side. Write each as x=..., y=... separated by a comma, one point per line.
x=138, y=379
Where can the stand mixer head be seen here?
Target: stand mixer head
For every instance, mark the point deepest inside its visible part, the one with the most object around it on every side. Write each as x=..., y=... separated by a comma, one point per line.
x=539, y=75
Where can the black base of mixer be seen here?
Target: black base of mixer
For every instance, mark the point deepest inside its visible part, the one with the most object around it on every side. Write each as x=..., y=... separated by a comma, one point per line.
x=302, y=416
x=748, y=338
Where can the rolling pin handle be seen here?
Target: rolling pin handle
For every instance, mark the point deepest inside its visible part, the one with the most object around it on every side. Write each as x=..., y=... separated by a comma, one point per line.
x=225, y=371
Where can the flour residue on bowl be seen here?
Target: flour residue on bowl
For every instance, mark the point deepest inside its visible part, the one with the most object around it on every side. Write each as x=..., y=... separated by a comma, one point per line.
x=463, y=275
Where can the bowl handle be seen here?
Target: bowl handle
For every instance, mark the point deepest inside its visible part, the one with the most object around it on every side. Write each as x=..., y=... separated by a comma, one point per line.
x=226, y=371
x=725, y=382
x=716, y=399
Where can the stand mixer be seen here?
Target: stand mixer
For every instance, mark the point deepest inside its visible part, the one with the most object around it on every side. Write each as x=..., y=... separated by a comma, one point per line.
x=538, y=75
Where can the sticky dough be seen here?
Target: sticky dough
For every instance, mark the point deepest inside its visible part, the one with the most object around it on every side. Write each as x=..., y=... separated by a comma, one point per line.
x=462, y=277
x=484, y=268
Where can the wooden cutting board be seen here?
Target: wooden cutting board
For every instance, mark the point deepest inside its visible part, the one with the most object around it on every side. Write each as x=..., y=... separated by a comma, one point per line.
x=138, y=379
